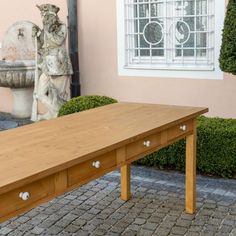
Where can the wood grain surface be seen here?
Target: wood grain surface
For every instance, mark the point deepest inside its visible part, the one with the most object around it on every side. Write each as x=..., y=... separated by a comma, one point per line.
x=35, y=151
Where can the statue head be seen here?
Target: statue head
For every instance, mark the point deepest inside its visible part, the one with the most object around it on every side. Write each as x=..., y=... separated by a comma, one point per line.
x=49, y=14
x=48, y=9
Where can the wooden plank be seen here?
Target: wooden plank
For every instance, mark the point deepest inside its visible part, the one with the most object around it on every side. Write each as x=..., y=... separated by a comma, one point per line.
x=60, y=181
x=86, y=169
x=11, y=202
x=121, y=156
x=143, y=145
x=190, y=191
x=26, y=208
x=177, y=130
x=125, y=182
x=35, y=151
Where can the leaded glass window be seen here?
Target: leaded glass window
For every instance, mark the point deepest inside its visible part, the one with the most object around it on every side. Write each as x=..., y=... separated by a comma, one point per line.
x=169, y=34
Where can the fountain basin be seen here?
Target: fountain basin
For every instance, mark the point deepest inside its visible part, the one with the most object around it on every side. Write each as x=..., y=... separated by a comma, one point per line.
x=17, y=66
x=17, y=74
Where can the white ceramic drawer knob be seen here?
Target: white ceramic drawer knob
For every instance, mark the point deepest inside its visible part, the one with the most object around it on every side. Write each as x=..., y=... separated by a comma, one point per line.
x=97, y=164
x=183, y=127
x=147, y=143
x=24, y=196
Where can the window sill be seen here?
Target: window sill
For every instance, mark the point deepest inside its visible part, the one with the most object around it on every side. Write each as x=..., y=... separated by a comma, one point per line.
x=171, y=67
x=183, y=73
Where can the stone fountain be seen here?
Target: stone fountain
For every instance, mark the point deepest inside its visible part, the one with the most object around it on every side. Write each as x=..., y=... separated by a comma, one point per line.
x=17, y=66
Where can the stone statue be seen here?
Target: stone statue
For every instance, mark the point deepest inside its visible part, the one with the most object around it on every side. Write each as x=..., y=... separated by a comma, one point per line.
x=53, y=63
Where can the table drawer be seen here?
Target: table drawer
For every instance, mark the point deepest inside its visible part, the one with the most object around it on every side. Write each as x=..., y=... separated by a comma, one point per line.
x=22, y=197
x=179, y=130
x=143, y=145
x=93, y=167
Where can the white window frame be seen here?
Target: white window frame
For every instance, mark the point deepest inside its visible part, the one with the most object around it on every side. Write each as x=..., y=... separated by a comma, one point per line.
x=153, y=71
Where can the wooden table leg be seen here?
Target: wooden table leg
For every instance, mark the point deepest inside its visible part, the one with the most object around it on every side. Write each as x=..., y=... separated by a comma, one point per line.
x=190, y=194
x=125, y=182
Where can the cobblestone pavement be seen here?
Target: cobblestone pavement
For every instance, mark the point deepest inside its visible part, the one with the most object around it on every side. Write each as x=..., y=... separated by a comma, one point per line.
x=156, y=208
x=9, y=122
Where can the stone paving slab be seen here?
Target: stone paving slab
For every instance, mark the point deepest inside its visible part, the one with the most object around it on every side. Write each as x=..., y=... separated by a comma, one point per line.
x=156, y=208
x=7, y=121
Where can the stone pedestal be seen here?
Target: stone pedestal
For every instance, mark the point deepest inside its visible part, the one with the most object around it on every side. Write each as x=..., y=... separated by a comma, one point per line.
x=22, y=102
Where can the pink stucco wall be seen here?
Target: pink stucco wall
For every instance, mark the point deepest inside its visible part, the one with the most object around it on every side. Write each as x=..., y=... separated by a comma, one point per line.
x=98, y=63
x=99, y=73
x=12, y=11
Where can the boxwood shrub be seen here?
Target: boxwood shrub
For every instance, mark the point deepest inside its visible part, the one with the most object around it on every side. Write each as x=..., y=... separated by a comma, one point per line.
x=228, y=48
x=216, y=145
x=83, y=103
x=216, y=149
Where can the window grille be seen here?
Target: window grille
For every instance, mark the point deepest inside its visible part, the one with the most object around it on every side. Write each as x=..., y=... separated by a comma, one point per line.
x=169, y=34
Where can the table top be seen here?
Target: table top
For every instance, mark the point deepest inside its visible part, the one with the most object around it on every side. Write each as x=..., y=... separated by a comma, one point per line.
x=31, y=152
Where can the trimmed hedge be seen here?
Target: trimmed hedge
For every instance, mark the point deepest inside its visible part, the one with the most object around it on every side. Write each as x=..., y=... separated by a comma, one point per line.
x=83, y=103
x=216, y=146
x=228, y=48
x=216, y=150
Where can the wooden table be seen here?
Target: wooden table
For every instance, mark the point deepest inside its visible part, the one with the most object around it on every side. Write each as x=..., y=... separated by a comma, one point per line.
x=41, y=161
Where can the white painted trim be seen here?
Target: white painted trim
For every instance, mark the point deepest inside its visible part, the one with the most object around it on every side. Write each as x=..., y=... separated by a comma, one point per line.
x=190, y=74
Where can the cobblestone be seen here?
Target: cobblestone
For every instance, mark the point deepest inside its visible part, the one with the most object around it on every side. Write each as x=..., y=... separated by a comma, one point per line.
x=9, y=122
x=156, y=208
x=37, y=230
x=5, y=230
